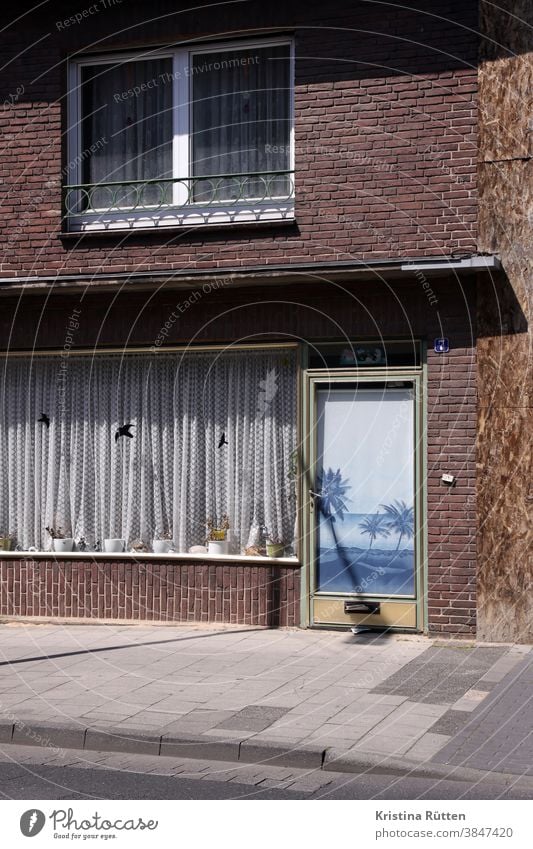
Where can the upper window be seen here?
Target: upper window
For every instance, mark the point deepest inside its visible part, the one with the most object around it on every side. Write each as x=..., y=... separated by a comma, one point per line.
x=189, y=136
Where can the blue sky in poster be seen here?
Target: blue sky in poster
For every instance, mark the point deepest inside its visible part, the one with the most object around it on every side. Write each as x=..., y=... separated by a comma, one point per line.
x=369, y=436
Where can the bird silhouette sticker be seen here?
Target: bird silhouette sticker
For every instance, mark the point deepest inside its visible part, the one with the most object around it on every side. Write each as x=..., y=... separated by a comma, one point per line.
x=124, y=430
x=44, y=420
x=223, y=440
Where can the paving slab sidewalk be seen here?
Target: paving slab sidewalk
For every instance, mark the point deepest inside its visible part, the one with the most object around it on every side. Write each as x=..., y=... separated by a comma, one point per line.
x=287, y=697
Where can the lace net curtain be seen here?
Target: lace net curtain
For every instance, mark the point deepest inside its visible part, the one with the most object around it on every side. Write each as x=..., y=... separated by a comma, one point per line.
x=129, y=138
x=241, y=121
x=213, y=433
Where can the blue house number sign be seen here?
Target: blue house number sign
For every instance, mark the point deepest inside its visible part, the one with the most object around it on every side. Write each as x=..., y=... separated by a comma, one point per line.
x=442, y=346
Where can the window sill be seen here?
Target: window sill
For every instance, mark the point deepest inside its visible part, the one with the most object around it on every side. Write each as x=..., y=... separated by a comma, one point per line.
x=180, y=218
x=137, y=232
x=149, y=556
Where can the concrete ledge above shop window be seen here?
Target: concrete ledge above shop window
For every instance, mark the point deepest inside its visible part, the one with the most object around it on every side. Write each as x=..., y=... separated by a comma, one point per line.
x=240, y=559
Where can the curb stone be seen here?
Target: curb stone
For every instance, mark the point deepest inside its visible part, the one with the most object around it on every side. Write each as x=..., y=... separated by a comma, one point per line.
x=372, y=764
x=6, y=732
x=272, y=752
x=51, y=734
x=117, y=740
x=206, y=748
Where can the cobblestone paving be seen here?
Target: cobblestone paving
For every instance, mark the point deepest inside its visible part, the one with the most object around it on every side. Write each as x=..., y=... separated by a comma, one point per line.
x=498, y=735
x=442, y=674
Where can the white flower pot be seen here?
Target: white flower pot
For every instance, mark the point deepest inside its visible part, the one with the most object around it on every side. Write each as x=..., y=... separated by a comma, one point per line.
x=114, y=546
x=66, y=544
x=217, y=546
x=161, y=546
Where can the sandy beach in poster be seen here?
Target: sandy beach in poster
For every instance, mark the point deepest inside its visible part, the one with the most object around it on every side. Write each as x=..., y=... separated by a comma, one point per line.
x=350, y=564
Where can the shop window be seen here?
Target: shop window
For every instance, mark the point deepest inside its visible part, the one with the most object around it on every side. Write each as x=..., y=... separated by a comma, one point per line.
x=161, y=446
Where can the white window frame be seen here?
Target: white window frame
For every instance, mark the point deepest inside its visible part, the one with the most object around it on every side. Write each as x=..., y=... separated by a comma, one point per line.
x=246, y=211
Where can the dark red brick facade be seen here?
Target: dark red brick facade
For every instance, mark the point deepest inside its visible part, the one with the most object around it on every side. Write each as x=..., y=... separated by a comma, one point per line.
x=156, y=591
x=385, y=136
x=386, y=149
x=451, y=511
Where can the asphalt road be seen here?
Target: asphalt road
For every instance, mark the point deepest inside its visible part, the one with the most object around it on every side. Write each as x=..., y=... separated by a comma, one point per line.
x=37, y=781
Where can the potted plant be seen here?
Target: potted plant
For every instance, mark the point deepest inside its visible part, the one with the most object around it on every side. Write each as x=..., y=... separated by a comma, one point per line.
x=114, y=545
x=6, y=541
x=275, y=547
x=82, y=538
x=216, y=535
x=161, y=542
x=60, y=542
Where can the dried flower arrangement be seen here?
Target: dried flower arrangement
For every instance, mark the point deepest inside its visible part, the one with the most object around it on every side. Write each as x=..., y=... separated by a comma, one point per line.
x=6, y=540
x=55, y=533
x=139, y=546
x=162, y=534
x=217, y=530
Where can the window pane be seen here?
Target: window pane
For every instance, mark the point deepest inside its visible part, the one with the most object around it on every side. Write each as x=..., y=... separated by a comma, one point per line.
x=212, y=434
x=127, y=132
x=241, y=122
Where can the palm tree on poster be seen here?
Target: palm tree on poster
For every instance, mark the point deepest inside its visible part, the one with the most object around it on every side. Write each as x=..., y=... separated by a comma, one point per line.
x=331, y=492
x=332, y=489
x=375, y=526
x=400, y=519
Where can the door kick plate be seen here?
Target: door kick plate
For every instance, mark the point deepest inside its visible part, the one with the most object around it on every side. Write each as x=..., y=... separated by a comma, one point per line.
x=392, y=614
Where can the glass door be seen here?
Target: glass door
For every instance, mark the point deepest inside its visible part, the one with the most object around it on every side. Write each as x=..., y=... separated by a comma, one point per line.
x=363, y=502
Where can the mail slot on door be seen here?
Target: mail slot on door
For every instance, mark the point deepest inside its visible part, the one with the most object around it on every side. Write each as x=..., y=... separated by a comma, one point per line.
x=362, y=607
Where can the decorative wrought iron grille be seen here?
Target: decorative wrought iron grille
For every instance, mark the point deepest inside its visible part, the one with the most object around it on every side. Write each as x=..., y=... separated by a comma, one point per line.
x=201, y=191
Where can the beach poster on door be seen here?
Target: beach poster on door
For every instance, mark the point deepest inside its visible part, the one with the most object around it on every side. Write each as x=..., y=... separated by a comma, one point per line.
x=364, y=503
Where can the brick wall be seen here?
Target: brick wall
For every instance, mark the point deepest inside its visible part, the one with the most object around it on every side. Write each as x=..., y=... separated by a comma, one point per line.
x=161, y=591
x=451, y=434
x=451, y=440
x=385, y=134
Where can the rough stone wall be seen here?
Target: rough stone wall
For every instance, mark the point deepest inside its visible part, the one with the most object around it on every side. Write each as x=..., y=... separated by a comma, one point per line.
x=505, y=313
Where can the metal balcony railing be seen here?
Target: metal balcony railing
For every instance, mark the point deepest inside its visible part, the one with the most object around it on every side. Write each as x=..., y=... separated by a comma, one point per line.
x=216, y=190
